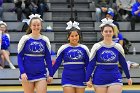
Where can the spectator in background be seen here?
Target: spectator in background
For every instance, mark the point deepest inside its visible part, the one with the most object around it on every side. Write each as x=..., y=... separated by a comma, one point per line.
x=22, y=6
x=39, y=7
x=135, y=14
x=102, y=7
x=117, y=37
x=1, y=9
x=111, y=15
x=5, y=45
x=124, y=7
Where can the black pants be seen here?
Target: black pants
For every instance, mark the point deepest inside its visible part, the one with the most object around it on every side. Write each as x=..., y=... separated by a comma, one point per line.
x=134, y=19
x=19, y=12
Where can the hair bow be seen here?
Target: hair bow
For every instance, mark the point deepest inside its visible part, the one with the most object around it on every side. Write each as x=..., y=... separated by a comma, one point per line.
x=107, y=21
x=31, y=17
x=1, y=22
x=74, y=24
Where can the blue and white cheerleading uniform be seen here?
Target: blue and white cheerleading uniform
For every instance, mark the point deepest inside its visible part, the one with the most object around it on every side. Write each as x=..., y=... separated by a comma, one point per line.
x=75, y=60
x=5, y=41
x=106, y=59
x=33, y=56
x=118, y=38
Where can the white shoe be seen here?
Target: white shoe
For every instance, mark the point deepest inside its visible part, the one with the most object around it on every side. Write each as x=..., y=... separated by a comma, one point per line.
x=133, y=64
x=12, y=66
x=1, y=67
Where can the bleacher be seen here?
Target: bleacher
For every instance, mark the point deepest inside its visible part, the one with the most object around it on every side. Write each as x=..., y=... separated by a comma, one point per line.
x=56, y=17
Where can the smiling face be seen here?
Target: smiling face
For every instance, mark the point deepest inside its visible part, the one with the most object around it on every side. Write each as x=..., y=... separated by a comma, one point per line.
x=107, y=32
x=36, y=25
x=3, y=28
x=74, y=38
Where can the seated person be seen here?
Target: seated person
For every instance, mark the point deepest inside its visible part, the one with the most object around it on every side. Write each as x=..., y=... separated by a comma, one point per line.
x=39, y=7
x=132, y=64
x=124, y=7
x=111, y=15
x=5, y=43
x=22, y=6
x=102, y=7
x=118, y=37
x=135, y=14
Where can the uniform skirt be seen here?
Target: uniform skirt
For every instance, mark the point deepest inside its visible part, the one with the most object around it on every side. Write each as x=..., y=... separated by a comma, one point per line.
x=73, y=78
x=107, y=79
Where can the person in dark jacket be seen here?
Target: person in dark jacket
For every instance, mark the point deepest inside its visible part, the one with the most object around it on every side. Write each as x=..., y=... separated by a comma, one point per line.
x=22, y=6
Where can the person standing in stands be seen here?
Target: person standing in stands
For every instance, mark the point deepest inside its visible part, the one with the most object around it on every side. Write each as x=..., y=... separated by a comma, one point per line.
x=5, y=43
x=33, y=58
x=76, y=59
x=135, y=14
x=106, y=55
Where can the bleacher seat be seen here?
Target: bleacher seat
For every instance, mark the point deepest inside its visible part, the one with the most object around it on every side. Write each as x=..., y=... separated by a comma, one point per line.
x=132, y=36
x=47, y=16
x=17, y=26
x=8, y=6
x=123, y=26
x=14, y=25
x=9, y=16
x=84, y=26
x=137, y=47
x=137, y=26
x=86, y=36
x=11, y=77
x=16, y=36
x=13, y=73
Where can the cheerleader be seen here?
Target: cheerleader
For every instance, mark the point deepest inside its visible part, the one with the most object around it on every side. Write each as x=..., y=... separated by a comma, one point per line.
x=33, y=56
x=106, y=55
x=5, y=43
x=75, y=57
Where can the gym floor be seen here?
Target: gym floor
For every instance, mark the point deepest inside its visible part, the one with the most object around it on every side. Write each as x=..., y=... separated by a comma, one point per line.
x=58, y=89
